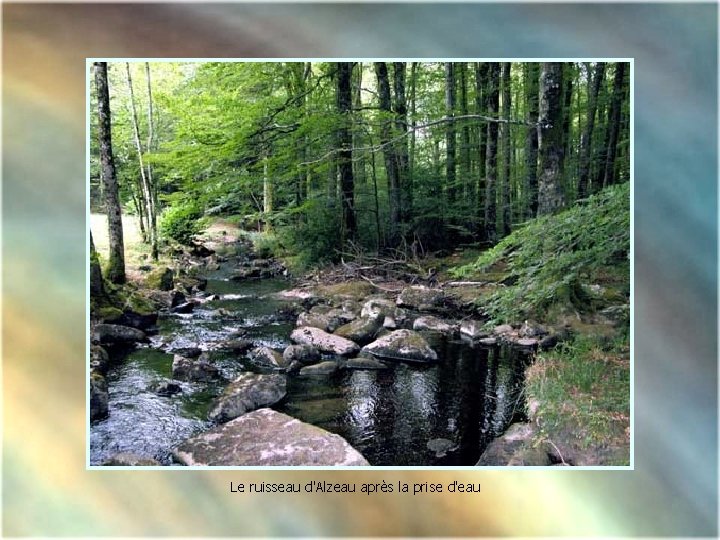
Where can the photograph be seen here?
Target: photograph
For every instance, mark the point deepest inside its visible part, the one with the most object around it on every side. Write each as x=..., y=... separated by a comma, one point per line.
x=317, y=263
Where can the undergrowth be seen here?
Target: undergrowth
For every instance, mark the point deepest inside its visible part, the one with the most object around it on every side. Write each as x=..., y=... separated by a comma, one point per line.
x=548, y=258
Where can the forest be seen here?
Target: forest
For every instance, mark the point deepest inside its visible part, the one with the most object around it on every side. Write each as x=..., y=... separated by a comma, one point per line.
x=421, y=259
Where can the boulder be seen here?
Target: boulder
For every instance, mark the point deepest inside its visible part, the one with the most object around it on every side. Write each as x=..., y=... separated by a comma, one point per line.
x=502, y=329
x=115, y=334
x=324, y=342
x=99, y=359
x=323, y=368
x=500, y=451
x=530, y=330
x=402, y=345
x=246, y=393
x=160, y=279
x=364, y=363
x=244, y=273
x=167, y=388
x=177, y=298
x=304, y=354
x=98, y=397
x=473, y=329
x=433, y=324
x=185, y=307
x=185, y=369
x=128, y=459
x=422, y=298
x=188, y=352
x=267, y=438
x=189, y=285
x=325, y=318
x=530, y=457
x=239, y=346
x=361, y=330
x=375, y=307
x=265, y=356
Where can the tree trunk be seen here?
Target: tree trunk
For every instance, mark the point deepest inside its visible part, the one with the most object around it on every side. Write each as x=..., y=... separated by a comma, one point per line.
x=594, y=84
x=614, y=124
x=116, y=258
x=550, y=195
x=450, y=180
x=146, y=189
x=493, y=93
x=481, y=71
x=267, y=196
x=344, y=139
x=411, y=157
x=401, y=145
x=151, y=183
x=391, y=162
x=464, y=137
x=566, y=114
x=532, y=76
x=505, y=195
x=96, y=280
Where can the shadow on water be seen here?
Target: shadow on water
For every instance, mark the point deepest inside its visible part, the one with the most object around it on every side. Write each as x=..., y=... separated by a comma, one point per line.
x=468, y=398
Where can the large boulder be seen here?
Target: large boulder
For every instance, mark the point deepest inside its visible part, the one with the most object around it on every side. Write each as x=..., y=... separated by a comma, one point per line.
x=267, y=438
x=303, y=354
x=402, y=345
x=160, y=279
x=324, y=342
x=375, y=307
x=323, y=368
x=325, y=318
x=361, y=330
x=473, y=329
x=500, y=451
x=199, y=370
x=423, y=299
x=98, y=397
x=99, y=359
x=246, y=393
x=266, y=357
x=128, y=459
x=429, y=323
x=115, y=334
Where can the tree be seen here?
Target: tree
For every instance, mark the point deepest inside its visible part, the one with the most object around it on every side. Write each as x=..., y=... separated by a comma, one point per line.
x=344, y=141
x=450, y=180
x=594, y=84
x=550, y=195
x=614, y=124
x=493, y=93
x=389, y=149
x=96, y=280
x=481, y=71
x=401, y=143
x=507, y=150
x=151, y=183
x=116, y=257
x=532, y=75
x=147, y=190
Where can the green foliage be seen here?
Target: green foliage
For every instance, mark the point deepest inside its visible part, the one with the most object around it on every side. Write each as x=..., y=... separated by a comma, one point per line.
x=182, y=221
x=550, y=256
x=314, y=237
x=583, y=386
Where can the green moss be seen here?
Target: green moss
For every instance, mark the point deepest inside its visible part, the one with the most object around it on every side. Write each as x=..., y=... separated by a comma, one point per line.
x=109, y=313
x=355, y=290
x=160, y=279
x=140, y=304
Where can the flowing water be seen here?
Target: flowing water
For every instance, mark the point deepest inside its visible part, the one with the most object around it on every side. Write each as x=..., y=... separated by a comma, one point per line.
x=468, y=398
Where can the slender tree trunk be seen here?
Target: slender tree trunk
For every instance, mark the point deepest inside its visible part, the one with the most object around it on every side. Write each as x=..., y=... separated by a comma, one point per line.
x=96, y=281
x=267, y=196
x=116, y=258
x=594, y=84
x=450, y=180
x=411, y=157
x=391, y=162
x=532, y=76
x=566, y=114
x=401, y=145
x=344, y=138
x=481, y=71
x=464, y=137
x=550, y=195
x=505, y=196
x=151, y=183
x=493, y=92
x=614, y=124
x=146, y=189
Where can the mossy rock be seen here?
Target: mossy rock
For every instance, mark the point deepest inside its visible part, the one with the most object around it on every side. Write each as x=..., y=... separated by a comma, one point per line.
x=347, y=290
x=160, y=279
x=140, y=304
x=109, y=313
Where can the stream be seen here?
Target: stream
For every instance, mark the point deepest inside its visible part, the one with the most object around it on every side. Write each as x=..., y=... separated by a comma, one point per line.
x=469, y=397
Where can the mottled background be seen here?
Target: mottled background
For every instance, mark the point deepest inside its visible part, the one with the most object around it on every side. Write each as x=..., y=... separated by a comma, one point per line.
x=673, y=489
